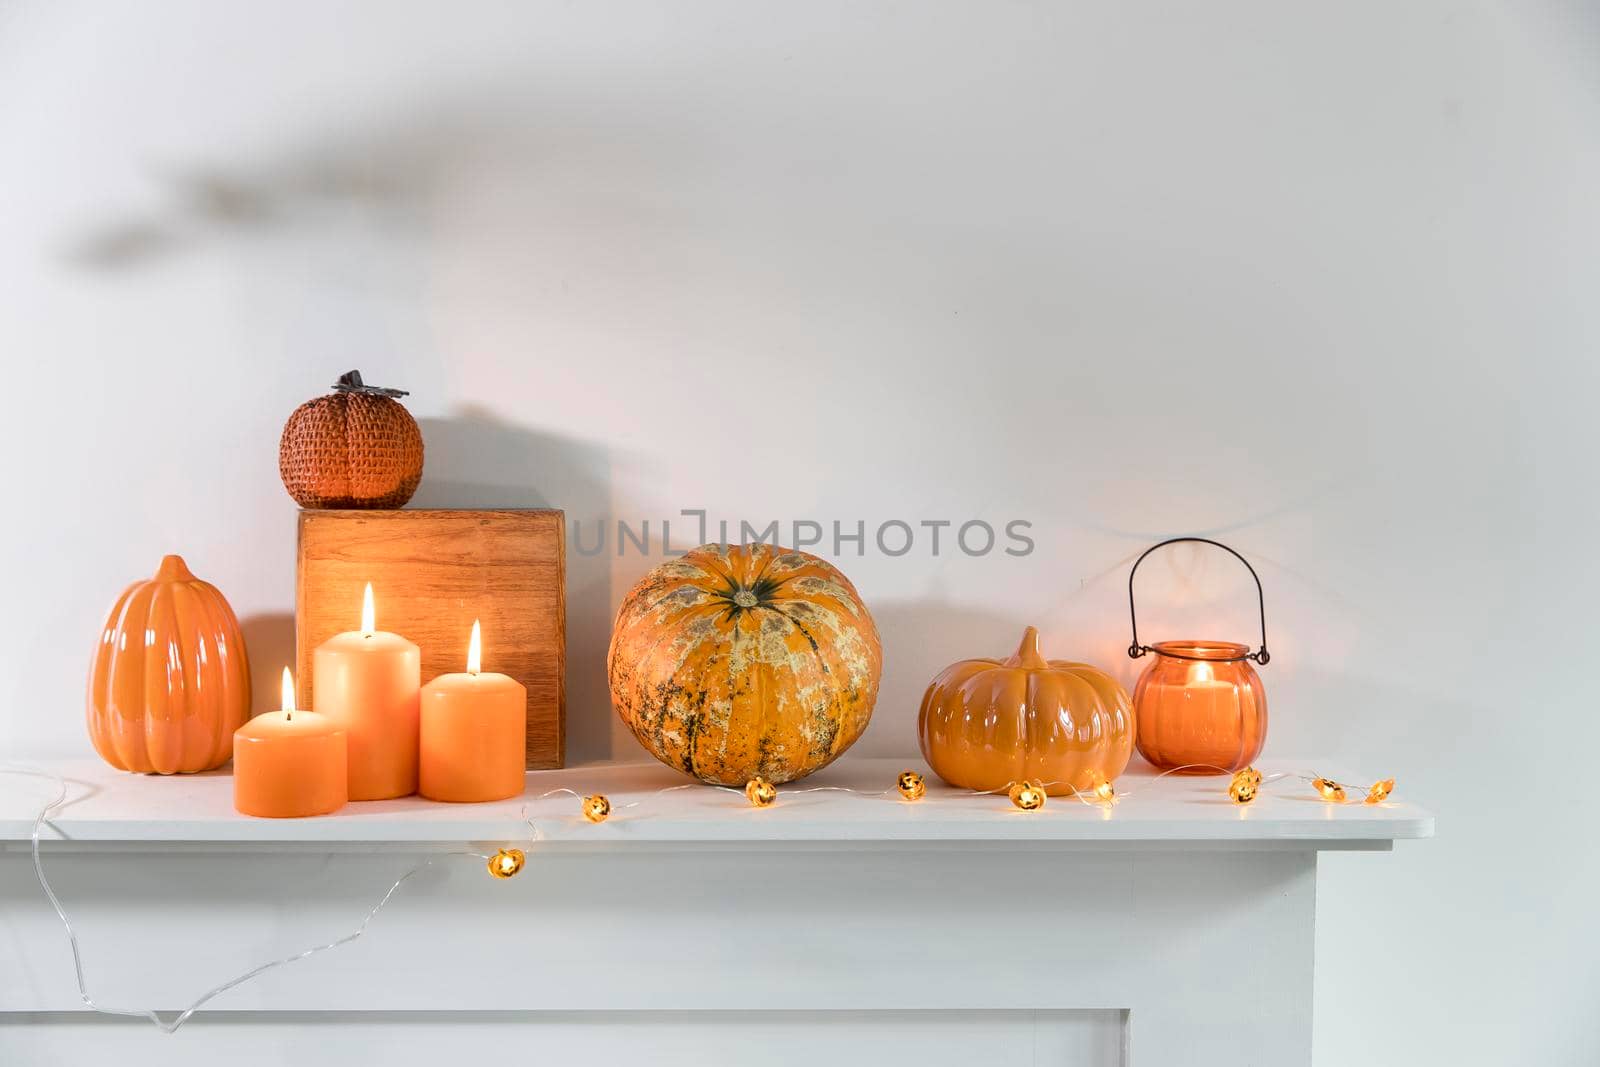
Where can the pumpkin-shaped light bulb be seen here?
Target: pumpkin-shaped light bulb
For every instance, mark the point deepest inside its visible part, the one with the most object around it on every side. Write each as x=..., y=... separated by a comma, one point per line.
x=1379, y=792
x=1331, y=791
x=1244, y=785
x=596, y=807
x=1105, y=793
x=910, y=785
x=1027, y=796
x=760, y=792
x=507, y=862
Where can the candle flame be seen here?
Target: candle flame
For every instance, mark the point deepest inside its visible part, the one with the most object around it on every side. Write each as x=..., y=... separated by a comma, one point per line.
x=369, y=616
x=1200, y=673
x=475, y=650
x=288, y=691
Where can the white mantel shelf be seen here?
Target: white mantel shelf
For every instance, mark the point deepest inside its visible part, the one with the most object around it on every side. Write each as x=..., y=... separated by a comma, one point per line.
x=111, y=808
x=690, y=922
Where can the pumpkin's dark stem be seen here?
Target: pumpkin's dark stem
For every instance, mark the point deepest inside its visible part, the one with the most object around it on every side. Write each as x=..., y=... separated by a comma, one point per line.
x=350, y=382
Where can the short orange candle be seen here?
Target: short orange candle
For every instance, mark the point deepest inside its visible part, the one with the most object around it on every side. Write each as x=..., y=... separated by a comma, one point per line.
x=288, y=764
x=368, y=682
x=474, y=730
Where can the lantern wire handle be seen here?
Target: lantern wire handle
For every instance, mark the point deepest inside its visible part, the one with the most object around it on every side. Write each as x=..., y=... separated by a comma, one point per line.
x=1135, y=650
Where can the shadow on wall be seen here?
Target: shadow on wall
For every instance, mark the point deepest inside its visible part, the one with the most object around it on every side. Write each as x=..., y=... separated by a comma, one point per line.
x=477, y=460
x=269, y=641
x=920, y=639
x=381, y=175
x=384, y=177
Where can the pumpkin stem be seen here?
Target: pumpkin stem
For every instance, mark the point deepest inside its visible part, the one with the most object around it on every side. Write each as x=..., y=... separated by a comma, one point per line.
x=173, y=569
x=350, y=382
x=1028, y=654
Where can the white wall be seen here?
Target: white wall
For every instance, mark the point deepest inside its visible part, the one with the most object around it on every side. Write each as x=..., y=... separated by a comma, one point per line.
x=1317, y=279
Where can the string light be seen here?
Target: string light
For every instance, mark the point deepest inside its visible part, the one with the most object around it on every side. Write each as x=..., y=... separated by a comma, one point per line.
x=171, y=1026
x=1244, y=786
x=1027, y=795
x=596, y=807
x=1331, y=791
x=1336, y=793
x=507, y=863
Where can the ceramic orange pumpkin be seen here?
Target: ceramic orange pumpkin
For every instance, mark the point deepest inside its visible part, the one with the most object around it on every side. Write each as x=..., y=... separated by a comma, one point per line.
x=737, y=662
x=170, y=681
x=357, y=447
x=987, y=724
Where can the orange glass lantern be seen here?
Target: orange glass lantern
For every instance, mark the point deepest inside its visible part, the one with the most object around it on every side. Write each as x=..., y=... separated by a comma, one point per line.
x=1199, y=707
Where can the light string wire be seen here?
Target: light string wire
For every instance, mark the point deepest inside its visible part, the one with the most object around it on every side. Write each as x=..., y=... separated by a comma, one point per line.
x=621, y=807
x=1089, y=798
x=1316, y=781
x=171, y=1026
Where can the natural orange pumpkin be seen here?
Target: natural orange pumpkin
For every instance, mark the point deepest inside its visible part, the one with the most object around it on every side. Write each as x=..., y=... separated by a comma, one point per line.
x=170, y=681
x=987, y=724
x=745, y=661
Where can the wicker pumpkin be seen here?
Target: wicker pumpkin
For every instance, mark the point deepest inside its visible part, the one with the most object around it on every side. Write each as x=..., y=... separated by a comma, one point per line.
x=357, y=447
x=170, y=681
x=987, y=724
x=737, y=662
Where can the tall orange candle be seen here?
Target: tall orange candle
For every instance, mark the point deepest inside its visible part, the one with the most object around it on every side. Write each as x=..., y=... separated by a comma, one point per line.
x=474, y=730
x=368, y=682
x=288, y=763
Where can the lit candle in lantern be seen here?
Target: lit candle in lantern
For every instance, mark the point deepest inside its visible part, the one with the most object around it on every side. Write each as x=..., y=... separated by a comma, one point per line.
x=474, y=730
x=1206, y=697
x=289, y=763
x=368, y=682
x=1199, y=707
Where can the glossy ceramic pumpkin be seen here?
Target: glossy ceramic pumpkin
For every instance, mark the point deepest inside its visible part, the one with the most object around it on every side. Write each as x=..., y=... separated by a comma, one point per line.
x=357, y=447
x=988, y=724
x=737, y=662
x=170, y=681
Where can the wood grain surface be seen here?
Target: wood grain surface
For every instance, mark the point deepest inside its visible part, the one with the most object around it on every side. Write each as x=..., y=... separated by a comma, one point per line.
x=433, y=572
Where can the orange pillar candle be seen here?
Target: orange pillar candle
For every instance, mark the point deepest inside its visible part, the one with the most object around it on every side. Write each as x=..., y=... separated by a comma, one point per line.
x=287, y=764
x=474, y=732
x=367, y=682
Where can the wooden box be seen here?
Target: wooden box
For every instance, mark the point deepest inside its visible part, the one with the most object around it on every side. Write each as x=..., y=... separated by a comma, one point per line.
x=432, y=573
